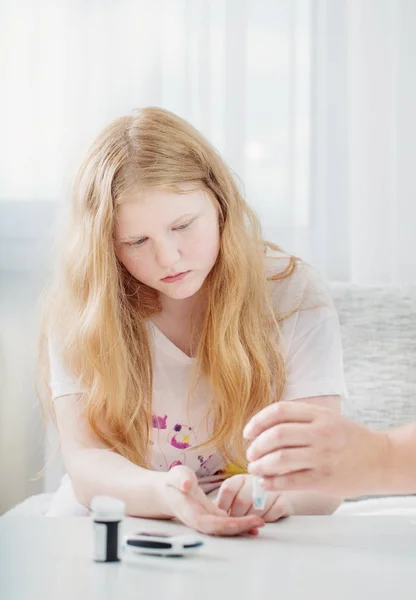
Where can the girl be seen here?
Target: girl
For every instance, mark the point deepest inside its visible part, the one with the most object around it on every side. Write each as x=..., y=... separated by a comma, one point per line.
x=170, y=324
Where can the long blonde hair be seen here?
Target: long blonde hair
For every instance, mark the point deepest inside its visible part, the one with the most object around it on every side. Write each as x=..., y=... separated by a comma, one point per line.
x=97, y=312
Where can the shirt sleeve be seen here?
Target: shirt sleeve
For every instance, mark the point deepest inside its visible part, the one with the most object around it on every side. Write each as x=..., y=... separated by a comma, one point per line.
x=310, y=337
x=315, y=364
x=61, y=381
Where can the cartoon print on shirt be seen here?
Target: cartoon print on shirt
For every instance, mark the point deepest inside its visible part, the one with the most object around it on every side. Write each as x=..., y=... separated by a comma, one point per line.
x=160, y=423
x=204, y=468
x=175, y=464
x=181, y=437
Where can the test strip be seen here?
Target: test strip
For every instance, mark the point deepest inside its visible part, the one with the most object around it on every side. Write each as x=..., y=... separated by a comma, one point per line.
x=259, y=495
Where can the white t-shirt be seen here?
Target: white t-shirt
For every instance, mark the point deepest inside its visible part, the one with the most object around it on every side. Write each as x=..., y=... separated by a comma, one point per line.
x=311, y=343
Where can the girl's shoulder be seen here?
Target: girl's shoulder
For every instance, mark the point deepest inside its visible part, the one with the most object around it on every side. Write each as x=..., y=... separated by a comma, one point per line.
x=295, y=284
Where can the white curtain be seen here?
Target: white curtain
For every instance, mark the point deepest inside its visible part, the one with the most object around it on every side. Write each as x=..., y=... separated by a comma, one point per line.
x=363, y=189
x=311, y=102
x=382, y=132
x=239, y=70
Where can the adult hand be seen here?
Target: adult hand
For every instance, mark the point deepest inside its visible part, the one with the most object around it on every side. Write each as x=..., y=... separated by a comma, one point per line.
x=235, y=498
x=298, y=446
x=187, y=502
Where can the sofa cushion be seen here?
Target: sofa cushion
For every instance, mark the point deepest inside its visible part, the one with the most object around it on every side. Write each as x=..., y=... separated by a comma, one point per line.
x=378, y=326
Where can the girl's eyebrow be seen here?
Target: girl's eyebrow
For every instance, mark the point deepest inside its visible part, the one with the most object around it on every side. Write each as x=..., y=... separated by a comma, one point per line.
x=139, y=237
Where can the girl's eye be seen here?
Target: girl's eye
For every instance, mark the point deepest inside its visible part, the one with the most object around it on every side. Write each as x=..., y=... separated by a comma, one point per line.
x=184, y=226
x=139, y=242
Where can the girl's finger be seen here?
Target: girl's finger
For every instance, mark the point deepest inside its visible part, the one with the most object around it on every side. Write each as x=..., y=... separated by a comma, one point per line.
x=185, y=481
x=182, y=478
x=228, y=526
x=194, y=515
x=228, y=492
x=243, y=501
x=278, y=510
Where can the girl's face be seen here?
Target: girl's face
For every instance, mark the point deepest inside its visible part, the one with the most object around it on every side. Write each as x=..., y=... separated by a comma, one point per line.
x=168, y=241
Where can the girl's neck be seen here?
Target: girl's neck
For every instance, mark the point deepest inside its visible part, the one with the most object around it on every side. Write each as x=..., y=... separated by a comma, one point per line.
x=183, y=310
x=181, y=321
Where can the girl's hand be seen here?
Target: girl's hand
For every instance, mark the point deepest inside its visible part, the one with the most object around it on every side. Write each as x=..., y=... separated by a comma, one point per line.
x=235, y=498
x=187, y=502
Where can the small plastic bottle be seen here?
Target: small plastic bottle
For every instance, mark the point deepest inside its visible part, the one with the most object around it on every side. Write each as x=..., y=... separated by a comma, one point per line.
x=259, y=495
x=107, y=513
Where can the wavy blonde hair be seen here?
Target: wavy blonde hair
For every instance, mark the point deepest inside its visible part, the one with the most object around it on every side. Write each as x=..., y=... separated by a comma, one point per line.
x=96, y=311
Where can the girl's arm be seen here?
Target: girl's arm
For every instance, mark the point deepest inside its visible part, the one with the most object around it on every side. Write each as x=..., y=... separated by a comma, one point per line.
x=94, y=469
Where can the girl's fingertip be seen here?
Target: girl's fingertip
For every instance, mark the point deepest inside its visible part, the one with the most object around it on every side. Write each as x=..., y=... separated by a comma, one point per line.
x=221, y=512
x=186, y=485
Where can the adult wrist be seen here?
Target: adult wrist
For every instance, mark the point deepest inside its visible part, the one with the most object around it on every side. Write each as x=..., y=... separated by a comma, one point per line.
x=385, y=463
x=399, y=475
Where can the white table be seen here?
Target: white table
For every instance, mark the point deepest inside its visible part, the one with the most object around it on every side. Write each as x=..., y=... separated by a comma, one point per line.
x=307, y=558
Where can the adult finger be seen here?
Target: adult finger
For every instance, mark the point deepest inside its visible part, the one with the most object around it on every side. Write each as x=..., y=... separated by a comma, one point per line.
x=284, y=435
x=285, y=460
x=279, y=412
x=299, y=481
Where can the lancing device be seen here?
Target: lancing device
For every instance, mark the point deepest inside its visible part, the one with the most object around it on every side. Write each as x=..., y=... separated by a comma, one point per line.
x=259, y=495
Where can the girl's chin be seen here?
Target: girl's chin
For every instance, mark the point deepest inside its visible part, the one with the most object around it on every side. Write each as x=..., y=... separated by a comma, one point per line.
x=181, y=292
